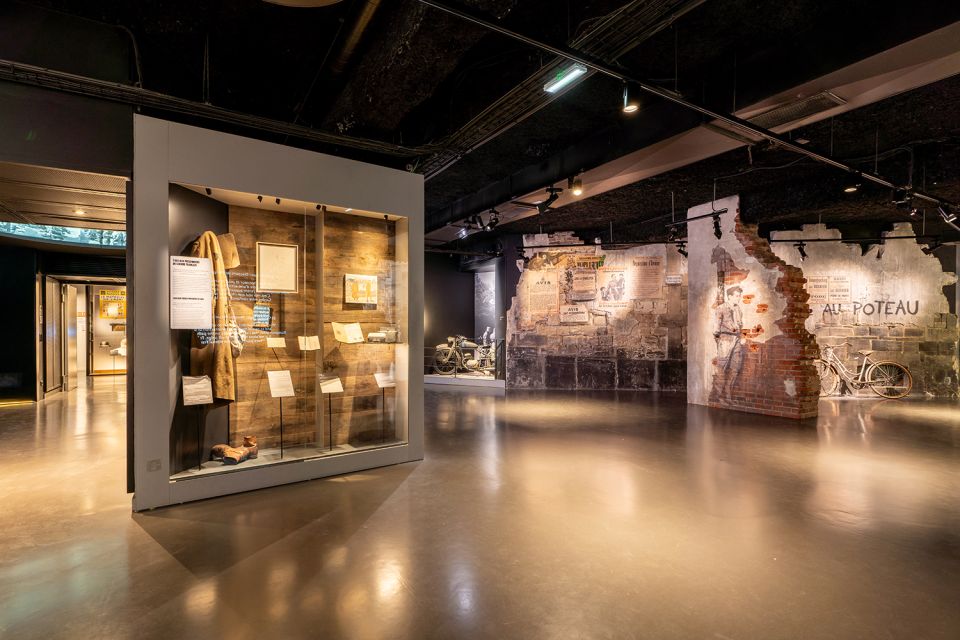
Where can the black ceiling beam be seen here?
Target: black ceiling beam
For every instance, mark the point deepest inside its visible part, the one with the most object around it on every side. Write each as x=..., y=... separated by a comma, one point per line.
x=678, y=99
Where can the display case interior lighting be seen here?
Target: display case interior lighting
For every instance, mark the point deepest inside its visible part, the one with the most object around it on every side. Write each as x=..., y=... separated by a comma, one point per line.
x=853, y=185
x=630, y=103
x=565, y=77
x=79, y=212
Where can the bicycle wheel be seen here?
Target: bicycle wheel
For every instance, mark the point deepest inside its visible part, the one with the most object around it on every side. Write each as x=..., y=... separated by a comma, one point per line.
x=829, y=378
x=889, y=379
x=445, y=362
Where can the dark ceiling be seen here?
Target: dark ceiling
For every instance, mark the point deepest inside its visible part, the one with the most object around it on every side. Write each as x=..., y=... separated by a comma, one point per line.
x=401, y=72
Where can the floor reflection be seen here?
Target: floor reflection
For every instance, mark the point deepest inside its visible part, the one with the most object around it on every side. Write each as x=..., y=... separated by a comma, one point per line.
x=534, y=515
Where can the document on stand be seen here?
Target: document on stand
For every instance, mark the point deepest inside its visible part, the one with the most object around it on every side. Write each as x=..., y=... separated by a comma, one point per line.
x=281, y=384
x=197, y=390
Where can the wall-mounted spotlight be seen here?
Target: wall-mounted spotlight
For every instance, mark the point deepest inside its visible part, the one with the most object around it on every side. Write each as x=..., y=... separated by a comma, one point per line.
x=630, y=103
x=881, y=250
x=493, y=221
x=801, y=249
x=930, y=248
x=682, y=248
x=716, y=226
x=946, y=214
x=913, y=212
x=853, y=185
x=319, y=206
x=575, y=184
x=259, y=198
x=278, y=201
x=463, y=233
x=209, y=191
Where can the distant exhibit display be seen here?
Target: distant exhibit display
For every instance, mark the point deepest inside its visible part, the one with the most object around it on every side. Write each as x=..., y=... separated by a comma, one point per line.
x=360, y=289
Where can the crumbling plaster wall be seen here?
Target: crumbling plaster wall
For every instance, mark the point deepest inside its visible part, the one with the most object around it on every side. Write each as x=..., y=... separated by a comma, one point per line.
x=614, y=333
x=894, y=305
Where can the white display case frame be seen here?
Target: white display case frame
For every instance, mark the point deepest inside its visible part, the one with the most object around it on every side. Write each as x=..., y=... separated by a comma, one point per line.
x=167, y=152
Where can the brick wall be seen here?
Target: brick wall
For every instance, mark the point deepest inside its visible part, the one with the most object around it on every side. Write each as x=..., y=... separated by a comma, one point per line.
x=639, y=343
x=896, y=305
x=748, y=344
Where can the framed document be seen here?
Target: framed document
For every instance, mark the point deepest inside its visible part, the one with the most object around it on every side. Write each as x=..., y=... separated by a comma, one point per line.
x=277, y=267
x=359, y=289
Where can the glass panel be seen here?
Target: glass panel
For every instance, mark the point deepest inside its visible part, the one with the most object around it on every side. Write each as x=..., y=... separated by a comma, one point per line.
x=303, y=357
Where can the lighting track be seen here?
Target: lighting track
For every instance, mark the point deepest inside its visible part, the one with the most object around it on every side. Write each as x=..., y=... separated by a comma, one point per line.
x=676, y=98
x=32, y=75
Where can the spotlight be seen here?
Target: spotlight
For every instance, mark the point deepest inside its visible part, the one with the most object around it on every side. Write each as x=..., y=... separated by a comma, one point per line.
x=930, y=248
x=716, y=226
x=544, y=206
x=901, y=199
x=319, y=206
x=209, y=191
x=462, y=233
x=565, y=77
x=880, y=251
x=853, y=185
x=672, y=234
x=945, y=213
x=630, y=105
x=348, y=210
x=259, y=198
x=597, y=240
x=800, y=248
x=493, y=221
x=278, y=201
x=682, y=248
x=575, y=184
x=79, y=212
x=913, y=212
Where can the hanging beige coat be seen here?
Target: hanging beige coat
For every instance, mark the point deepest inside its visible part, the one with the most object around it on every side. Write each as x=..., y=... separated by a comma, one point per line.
x=210, y=351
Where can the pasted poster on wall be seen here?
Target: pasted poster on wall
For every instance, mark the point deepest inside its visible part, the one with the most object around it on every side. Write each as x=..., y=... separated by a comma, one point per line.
x=359, y=289
x=819, y=289
x=543, y=292
x=113, y=304
x=613, y=288
x=647, y=278
x=574, y=314
x=839, y=291
x=584, y=285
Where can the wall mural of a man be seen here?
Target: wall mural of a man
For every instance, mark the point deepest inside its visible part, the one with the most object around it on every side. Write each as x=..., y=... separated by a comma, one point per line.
x=729, y=337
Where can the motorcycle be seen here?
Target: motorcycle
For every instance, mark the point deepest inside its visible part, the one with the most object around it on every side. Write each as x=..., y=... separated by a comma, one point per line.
x=460, y=354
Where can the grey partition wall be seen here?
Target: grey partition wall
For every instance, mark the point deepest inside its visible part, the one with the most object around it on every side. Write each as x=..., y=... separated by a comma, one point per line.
x=166, y=153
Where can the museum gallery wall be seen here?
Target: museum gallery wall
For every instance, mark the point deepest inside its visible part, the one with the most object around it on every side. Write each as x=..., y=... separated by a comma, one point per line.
x=749, y=348
x=584, y=317
x=888, y=299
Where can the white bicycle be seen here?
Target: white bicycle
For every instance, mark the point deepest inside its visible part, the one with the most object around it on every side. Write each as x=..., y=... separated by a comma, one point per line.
x=886, y=378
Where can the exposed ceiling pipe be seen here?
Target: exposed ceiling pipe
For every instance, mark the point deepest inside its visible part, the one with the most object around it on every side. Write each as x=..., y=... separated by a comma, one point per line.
x=339, y=64
x=33, y=75
x=678, y=99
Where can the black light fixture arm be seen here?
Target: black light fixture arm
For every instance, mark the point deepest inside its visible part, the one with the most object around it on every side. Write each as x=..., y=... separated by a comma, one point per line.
x=676, y=98
x=712, y=214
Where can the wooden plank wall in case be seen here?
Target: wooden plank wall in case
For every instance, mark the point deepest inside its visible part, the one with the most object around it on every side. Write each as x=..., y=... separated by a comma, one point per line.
x=365, y=246
x=292, y=314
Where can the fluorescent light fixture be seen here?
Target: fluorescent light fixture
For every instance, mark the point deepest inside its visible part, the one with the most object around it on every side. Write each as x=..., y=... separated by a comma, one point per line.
x=565, y=77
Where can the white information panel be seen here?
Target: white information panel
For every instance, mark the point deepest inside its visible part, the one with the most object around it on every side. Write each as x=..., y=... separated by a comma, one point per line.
x=281, y=384
x=197, y=390
x=191, y=293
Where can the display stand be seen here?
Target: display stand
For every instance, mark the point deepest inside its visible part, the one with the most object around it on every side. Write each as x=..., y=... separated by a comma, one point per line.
x=281, y=386
x=384, y=381
x=198, y=392
x=330, y=385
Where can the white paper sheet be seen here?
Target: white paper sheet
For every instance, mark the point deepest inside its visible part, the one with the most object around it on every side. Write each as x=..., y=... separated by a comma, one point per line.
x=191, y=293
x=281, y=384
x=308, y=343
x=385, y=380
x=276, y=343
x=197, y=390
x=330, y=384
x=277, y=267
x=349, y=332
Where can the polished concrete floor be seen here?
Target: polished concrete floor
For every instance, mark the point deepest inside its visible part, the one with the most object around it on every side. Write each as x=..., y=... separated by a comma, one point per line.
x=543, y=515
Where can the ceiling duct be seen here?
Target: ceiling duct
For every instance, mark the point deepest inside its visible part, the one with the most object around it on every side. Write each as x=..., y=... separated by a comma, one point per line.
x=797, y=110
x=608, y=39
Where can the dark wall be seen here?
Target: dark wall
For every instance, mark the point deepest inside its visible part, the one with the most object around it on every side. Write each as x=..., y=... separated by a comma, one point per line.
x=47, y=128
x=190, y=215
x=448, y=300
x=18, y=367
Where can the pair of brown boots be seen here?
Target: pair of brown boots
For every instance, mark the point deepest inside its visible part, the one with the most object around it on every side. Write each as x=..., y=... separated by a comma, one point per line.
x=236, y=455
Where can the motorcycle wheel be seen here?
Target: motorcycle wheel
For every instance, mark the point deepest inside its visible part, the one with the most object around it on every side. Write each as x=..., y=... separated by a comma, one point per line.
x=444, y=363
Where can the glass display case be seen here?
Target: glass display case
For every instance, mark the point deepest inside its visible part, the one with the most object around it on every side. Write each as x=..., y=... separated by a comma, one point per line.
x=275, y=297
x=298, y=357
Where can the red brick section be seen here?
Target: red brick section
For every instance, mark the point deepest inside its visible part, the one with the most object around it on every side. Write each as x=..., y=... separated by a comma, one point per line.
x=767, y=365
